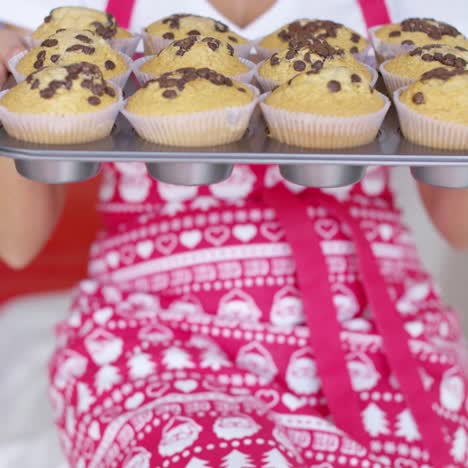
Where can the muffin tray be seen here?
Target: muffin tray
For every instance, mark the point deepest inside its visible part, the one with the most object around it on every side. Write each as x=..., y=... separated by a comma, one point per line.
x=200, y=166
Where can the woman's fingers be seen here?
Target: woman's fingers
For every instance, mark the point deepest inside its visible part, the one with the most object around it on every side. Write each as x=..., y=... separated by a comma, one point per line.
x=10, y=44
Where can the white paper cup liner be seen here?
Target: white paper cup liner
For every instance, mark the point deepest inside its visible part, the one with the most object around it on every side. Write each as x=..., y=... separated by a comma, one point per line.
x=427, y=131
x=154, y=45
x=119, y=80
x=317, y=131
x=385, y=50
x=393, y=81
x=127, y=46
x=145, y=77
x=267, y=84
x=211, y=128
x=61, y=129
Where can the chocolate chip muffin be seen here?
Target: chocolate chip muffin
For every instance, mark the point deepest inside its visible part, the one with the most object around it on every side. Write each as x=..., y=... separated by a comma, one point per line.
x=69, y=104
x=325, y=108
x=71, y=46
x=407, y=68
x=335, y=34
x=397, y=38
x=103, y=24
x=191, y=107
x=161, y=33
x=434, y=110
x=302, y=57
x=195, y=52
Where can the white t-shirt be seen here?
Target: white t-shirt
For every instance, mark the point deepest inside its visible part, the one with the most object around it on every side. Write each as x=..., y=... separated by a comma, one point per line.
x=29, y=13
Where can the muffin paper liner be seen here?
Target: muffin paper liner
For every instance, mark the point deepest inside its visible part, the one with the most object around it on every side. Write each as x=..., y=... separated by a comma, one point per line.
x=210, y=128
x=366, y=56
x=61, y=129
x=145, y=77
x=385, y=50
x=267, y=84
x=126, y=46
x=154, y=45
x=393, y=81
x=318, y=131
x=119, y=80
x=427, y=131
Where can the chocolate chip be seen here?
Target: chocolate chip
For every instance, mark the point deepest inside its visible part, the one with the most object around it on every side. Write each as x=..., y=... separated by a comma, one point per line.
x=194, y=32
x=46, y=93
x=334, y=86
x=355, y=78
x=407, y=42
x=291, y=54
x=35, y=84
x=274, y=60
x=98, y=89
x=169, y=36
x=110, y=91
x=461, y=48
x=443, y=74
x=38, y=64
x=74, y=48
x=109, y=64
x=88, y=50
x=230, y=49
x=395, y=34
x=242, y=90
x=41, y=55
x=203, y=72
x=354, y=50
x=233, y=39
x=83, y=38
x=220, y=27
x=418, y=99
x=87, y=84
x=60, y=30
x=48, y=19
x=213, y=45
x=299, y=65
x=169, y=94
x=54, y=58
x=49, y=43
x=94, y=101
x=427, y=57
x=228, y=82
x=355, y=38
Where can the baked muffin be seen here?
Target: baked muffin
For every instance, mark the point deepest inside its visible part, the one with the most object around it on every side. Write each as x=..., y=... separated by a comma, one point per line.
x=434, y=110
x=69, y=104
x=298, y=58
x=191, y=107
x=161, y=33
x=71, y=46
x=325, y=108
x=406, y=68
x=397, y=38
x=196, y=52
x=301, y=30
x=103, y=24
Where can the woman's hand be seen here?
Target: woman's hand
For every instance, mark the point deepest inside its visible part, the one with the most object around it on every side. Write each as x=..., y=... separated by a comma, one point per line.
x=448, y=210
x=29, y=211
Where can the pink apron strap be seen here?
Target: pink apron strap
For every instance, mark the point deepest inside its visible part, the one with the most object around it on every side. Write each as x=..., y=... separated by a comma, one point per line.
x=375, y=12
x=320, y=312
x=122, y=11
x=395, y=338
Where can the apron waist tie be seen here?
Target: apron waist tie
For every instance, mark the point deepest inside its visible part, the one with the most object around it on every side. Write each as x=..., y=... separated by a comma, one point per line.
x=325, y=329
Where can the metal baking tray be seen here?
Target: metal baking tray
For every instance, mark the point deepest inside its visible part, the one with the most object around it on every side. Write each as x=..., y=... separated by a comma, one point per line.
x=201, y=166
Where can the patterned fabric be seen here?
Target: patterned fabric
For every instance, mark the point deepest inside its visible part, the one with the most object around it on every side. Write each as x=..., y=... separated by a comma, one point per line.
x=254, y=323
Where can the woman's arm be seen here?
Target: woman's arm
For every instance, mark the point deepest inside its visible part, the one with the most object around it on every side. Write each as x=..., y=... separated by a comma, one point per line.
x=448, y=210
x=29, y=211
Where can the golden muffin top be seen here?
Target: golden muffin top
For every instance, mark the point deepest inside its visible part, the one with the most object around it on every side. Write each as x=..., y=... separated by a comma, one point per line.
x=303, y=56
x=181, y=25
x=70, y=46
x=197, y=52
x=103, y=24
x=441, y=94
x=62, y=90
x=189, y=90
x=334, y=91
x=335, y=34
